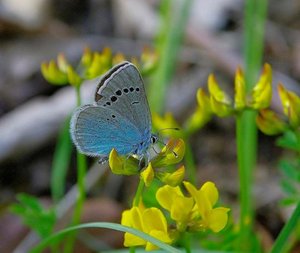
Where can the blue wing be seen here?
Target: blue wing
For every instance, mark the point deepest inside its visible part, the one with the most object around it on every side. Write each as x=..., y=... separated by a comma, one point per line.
x=96, y=131
x=122, y=90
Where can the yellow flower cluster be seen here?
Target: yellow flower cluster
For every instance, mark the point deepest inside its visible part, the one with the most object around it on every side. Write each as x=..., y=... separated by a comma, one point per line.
x=194, y=213
x=218, y=102
x=171, y=154
x=149, y=220
x=91, y=65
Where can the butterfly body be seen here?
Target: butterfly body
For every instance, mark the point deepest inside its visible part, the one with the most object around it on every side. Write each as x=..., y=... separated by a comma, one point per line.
x=119, y=118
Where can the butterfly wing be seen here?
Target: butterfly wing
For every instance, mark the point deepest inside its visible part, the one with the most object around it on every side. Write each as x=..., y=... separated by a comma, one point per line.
x=122, y=90
x=96, y=131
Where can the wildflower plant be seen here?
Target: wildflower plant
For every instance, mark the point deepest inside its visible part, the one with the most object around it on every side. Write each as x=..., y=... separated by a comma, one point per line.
x=183, y=210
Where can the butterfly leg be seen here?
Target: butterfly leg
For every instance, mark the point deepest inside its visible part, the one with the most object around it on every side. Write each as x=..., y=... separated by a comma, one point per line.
x=142, y=162
x=103, y=160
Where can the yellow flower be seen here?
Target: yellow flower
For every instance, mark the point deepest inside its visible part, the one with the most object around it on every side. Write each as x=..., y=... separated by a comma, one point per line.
x=240, y=90
x=202, y=113
x=53, y=74
x=291, y=105
x=73, y=78
x=172, y=178
x=179, y=206
x=150, y=221
x=219, y=100
x=91, y=65
x=164, y=122
x=269, y=123
x=262, y=91
x=171, y=154
x=148, y=175
x=122, y=165
x=195, y=213
x=205, y=199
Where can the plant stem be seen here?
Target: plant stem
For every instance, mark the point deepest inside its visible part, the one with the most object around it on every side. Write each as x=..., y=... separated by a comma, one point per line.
x=255, y=14
x=282, y=240
x=138, y=194
x=81, y=172
x=190, y=162
x=168, y=45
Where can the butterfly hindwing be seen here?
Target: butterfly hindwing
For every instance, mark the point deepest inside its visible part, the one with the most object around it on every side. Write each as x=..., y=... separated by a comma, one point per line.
x=97, y=130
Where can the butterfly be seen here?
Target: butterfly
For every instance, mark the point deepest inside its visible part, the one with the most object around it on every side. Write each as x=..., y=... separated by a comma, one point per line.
x=119, y=118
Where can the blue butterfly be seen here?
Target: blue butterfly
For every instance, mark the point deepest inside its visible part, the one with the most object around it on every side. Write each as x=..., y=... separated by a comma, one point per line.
x=120, y=117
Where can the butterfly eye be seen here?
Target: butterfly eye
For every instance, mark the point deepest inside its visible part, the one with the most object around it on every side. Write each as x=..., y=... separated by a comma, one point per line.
x=154, y=139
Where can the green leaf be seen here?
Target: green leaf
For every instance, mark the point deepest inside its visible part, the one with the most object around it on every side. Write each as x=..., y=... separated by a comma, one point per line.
x=34, y=215
x=61, y=161
x=288, y=187
x=289, y=201
x=43, y=244
x=289, y=170
x=289, y=140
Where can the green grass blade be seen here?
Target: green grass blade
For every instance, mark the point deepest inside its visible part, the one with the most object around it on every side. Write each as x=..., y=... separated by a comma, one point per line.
x=61, y=161
x=168, y=46
x=106, y=225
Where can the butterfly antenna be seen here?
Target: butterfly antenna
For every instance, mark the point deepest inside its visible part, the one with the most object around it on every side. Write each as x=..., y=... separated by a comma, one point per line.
x=169, y=128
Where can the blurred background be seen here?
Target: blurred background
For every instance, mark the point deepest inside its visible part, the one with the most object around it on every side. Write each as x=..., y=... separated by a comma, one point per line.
x=32, y=111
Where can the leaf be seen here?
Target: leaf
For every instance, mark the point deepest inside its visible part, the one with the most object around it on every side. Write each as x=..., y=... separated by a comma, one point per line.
x=108, y=225
x=34, y=215
x=61, y=161
x=288, y=187
x=289, y=201
x=289, y=140
x=289, y=170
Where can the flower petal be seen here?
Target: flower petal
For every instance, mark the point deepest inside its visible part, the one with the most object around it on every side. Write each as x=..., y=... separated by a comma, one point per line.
x=181, y=209
x=262, y=91
x=164, y=237
x=153, y=219
x=132, y=218
x=218, y=218
x=269, y=123
x=122, y=165
x=171, y=154
x=147, y=175
x=172, y=178
x=210, y=190
x=166, y=194
x=240, y=90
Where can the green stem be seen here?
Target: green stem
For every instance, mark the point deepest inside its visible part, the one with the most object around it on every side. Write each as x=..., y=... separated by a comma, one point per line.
x=132, y=250
x=282, y=240
x=81, y=172
x=136, y=202
x=246, y=150
x=187, y=242
x=138, y=194
x=168, y=45
x=190, y=162
x=255, y=14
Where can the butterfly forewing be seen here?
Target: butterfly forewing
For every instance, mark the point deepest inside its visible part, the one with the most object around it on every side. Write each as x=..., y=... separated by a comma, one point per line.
x=123, y=91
